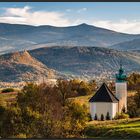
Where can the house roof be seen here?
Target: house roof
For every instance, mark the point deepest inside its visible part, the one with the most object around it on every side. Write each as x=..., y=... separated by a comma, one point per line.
x=104, y=94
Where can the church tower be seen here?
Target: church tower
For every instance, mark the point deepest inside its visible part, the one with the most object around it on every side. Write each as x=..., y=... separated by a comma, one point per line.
x=121, y=90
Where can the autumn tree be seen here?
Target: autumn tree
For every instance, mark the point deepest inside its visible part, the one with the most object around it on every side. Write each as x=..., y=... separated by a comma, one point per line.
x=43, y=111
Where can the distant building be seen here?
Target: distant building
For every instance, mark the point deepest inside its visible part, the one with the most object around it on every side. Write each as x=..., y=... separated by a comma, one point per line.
x=105, y=102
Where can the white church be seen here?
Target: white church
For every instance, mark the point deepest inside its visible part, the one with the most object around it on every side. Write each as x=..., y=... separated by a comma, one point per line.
x=105, y=102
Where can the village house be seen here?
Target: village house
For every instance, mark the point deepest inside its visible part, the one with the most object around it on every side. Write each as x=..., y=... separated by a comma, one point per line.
x=104, y=102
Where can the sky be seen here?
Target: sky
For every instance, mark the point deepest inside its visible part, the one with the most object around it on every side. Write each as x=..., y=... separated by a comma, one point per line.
x=118, y=16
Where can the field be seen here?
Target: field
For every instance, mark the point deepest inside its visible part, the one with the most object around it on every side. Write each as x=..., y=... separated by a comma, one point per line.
x=113, y=129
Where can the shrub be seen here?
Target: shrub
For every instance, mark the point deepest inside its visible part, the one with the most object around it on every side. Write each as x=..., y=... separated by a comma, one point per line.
x=96, y=117
x=7, y=90
x=107, y=116
x=102, y=117
x=19, y=136
x=123, y=110
x=121, y=116
x=89, y=117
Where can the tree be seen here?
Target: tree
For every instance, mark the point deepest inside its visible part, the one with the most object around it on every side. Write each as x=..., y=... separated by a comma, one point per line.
x=112, y=86
x=137, y=98
x=133, y=81
x=123, y=109
x=102, y=117
x=43, y=111
x=93, y=85
x=11, y=122
x=95, y=117
x=84, y=89
x=132, y=107
x=63, y=90
x=107, y=116
x=74, y=120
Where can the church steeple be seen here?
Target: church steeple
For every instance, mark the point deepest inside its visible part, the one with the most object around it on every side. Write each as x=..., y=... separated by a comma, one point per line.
x=121, y=89
x=121, y=76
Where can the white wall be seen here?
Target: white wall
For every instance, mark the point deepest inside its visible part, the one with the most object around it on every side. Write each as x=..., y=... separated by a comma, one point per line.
x=121, y=94
x=102, y=108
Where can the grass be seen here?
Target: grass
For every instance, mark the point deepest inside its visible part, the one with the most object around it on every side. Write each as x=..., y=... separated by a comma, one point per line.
x=129, y=128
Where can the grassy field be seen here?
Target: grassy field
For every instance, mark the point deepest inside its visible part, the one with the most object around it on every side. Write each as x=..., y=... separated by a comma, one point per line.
x=129, y=128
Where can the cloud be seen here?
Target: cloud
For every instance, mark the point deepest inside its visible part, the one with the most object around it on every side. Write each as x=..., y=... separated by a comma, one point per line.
x=25, y=15
x=82, y=10
x=68, y=10
x=124, y=25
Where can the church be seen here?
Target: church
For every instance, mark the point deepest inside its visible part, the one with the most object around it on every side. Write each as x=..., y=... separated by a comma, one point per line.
x=105, y=102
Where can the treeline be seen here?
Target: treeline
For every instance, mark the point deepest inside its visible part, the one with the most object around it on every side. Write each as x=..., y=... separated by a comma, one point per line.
x=133, y=81
x=43, y=111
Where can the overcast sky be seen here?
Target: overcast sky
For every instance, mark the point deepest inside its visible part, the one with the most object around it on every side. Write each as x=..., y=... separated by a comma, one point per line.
x=122, y=17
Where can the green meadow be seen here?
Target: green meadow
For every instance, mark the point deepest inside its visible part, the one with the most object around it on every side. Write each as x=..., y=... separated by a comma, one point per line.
x=129, y=128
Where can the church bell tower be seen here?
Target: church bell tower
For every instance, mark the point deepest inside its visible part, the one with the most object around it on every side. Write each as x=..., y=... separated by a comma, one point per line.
x=121, y=90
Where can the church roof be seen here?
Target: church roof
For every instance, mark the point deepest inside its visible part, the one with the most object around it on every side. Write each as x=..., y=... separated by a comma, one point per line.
x=104, y=94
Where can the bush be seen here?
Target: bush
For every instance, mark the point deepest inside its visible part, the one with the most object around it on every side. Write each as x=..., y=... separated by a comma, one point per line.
x=20, y=136
x=89, y=117
x=7, y=90
x=102, y=117
x=121, y=116
x=107, y=116
x=96, y=117
x=123, y=110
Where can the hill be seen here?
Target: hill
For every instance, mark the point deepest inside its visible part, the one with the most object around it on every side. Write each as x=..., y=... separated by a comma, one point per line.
x=20, y=66
x=87, y=61
x=132, y=45
x=16, y=37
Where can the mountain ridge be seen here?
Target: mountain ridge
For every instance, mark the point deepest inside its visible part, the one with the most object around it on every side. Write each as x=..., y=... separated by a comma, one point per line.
x=87, y=61
x=20, y=37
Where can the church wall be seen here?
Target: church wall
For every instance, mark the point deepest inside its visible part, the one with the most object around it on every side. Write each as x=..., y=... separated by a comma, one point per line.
x=102, y=108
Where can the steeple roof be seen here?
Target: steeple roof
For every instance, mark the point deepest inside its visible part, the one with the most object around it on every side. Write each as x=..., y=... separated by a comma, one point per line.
x=121, y=76
x=104, y=94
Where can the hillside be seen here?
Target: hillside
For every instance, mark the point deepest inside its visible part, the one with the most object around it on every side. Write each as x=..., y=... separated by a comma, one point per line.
x=14, y=37
x=131, y=45
x=87, y=61
x=20, y=66
x=66, y=62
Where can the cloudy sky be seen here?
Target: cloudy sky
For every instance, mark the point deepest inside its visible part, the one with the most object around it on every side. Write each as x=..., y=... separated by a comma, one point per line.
x=122, y=17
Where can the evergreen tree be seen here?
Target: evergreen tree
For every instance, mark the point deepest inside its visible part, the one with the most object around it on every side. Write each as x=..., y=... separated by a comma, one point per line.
x=96, y=117
x=102, y=117
x=107, y=116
